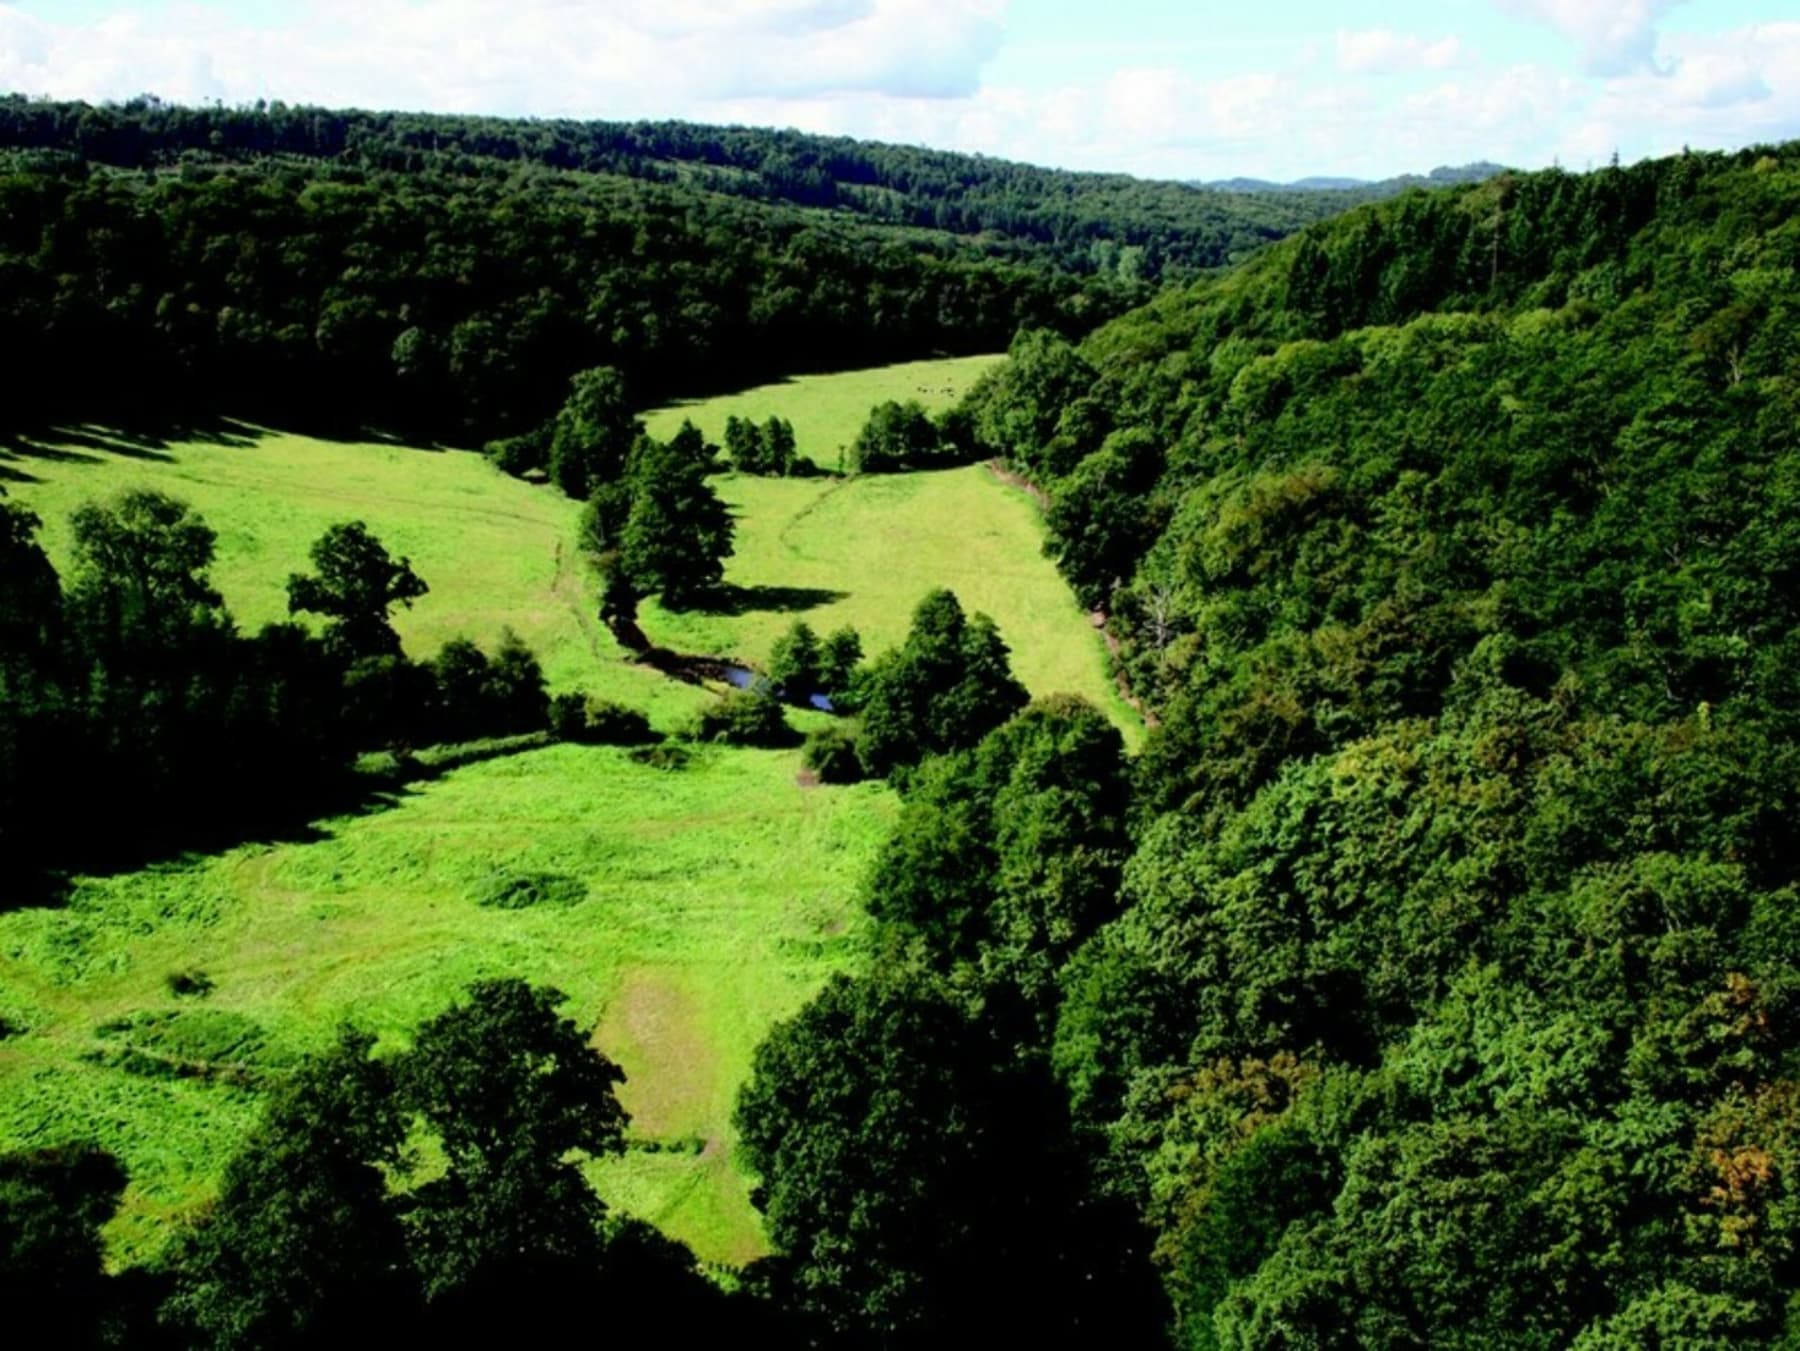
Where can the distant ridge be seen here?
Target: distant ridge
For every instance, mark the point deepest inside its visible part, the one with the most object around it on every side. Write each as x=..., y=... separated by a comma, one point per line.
x=1366, y=189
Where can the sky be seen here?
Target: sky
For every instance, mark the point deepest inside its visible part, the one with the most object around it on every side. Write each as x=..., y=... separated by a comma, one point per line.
x=1184, y=89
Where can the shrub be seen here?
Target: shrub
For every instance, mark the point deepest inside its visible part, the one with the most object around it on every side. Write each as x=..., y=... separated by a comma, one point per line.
x=743, y=718
x=597, y=722
x=831, y=754
x=195, y=983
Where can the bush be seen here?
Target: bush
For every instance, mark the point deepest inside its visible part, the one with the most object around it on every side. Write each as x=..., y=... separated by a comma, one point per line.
x=831, y=754
x=196, y=984
x=664, y=755
x=521, y=891
x=743, y=718
x=597, y=722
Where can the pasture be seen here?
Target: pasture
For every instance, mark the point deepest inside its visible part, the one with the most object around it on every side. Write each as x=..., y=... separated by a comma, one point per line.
x=689, y=910
x=682, y=911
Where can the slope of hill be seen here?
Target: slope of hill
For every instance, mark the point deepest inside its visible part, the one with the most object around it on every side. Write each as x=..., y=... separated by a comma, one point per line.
x=1454, y=999
x=1085, y=223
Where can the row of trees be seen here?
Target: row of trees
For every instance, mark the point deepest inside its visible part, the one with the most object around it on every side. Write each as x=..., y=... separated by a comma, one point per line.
x=330, y=1224
x=1127, y=230
x=442, y=300
x=129, y=696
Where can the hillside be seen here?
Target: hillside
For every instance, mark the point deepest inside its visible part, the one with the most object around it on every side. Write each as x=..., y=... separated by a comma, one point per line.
x=1452, y=1001
x=1084, y=223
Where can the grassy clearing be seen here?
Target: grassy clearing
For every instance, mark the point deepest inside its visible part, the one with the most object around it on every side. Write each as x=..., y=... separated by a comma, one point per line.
x=828, y=410
x=682, y=912
x=708, y=902
x=496, y=552
x=864, y=551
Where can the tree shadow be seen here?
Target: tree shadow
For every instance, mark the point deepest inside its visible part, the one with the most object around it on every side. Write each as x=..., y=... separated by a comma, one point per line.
x=378, y=783
x=730, y=599
x=141, y=439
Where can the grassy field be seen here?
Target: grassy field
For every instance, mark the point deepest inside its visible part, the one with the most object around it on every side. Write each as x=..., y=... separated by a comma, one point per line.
x=864, y=551
x=495, y=551
x=717, y=898
x=828, y=410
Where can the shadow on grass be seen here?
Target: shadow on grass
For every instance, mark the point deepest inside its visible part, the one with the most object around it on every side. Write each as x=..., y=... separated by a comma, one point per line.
x=378, y=782
x=730, y=599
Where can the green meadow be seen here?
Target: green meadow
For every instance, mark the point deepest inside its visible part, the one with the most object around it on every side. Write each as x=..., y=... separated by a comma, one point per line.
x=864, y=551
x=691, y=908
x=827, y=410
x=682, y=911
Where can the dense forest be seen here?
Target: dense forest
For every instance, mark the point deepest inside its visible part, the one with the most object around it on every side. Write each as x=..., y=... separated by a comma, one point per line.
x=445, y=277
x=1078, y=222
x=1428, y=979
x=1449, y=995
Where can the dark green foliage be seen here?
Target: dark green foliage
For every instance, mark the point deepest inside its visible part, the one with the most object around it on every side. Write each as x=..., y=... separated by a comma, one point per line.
x=743, y=718
x=675, y=534
x=480, y=696
x=510, y=1088
x=1007, y=857
x=778, y=452
x=830, y=753
x=354, y=584
x=917, y=1189
x=53, y=1283
x=139, y=588
x=320, y=1235
x=896, y=436
x=304, y=1244
x=597, y=722
x=795, y=662
x=30, y=595
x=591, y=434
x=495, y=261
x=522, y=891
x=1451, y=998
x=943, y=689
x=839, y=657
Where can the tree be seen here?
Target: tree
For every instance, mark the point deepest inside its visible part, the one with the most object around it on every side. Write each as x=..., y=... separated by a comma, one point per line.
x=53, y=1282
x=1007, y=857
x=839, y=656
x=592, y=433
x=917, y=1189
x=896, y=436
x=778, y=447
x=139, y=579
x=677, y=533
x=794, y=662
x=943, y=689
x=512, y=1089
x=744, y=444
x=30, y=594
x=355, y=583
x=305, y=1243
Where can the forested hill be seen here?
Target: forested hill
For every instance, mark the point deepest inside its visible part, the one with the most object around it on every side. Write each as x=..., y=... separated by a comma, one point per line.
x=1452, y=997
x=1084, y=223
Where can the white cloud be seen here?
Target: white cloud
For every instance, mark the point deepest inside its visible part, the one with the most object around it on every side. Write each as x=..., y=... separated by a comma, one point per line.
x=919, y=71
x=521, y=56
x=1382, y=51
x=1616, y=37
x=1721, y=90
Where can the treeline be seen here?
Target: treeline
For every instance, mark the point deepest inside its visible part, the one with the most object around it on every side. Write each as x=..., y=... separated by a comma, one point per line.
x=1085, y=223
x=135, y=717
x=330, y=1226
x=444, y=305
x=1440, y=988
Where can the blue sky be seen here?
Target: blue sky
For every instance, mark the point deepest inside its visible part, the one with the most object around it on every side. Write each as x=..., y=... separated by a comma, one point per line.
x=1157, y=87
